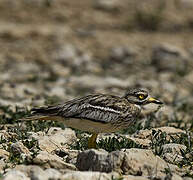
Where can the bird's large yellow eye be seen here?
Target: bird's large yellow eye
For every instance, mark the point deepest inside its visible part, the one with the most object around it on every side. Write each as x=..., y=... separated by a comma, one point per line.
x=141, y=96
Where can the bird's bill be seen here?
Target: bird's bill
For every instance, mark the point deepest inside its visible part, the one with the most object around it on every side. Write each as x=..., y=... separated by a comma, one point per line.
x=153, y=100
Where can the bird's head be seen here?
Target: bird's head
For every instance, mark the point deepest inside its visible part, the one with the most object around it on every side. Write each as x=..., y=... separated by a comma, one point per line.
x=140, y=97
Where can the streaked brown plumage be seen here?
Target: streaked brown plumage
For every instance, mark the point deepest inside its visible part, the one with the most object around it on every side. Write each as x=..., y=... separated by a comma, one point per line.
x=97, y=113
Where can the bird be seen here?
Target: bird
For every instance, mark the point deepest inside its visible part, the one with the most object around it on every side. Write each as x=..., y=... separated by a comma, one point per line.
x=97, y=113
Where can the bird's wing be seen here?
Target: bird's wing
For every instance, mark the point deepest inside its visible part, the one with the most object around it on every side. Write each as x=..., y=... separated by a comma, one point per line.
x=102, y=108
x=68, y=108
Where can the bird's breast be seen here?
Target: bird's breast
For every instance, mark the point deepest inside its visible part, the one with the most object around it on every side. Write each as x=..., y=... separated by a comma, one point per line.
x=89, y=125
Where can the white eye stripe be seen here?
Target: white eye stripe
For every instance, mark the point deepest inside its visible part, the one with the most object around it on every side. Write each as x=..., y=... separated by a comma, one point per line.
x=141, y=94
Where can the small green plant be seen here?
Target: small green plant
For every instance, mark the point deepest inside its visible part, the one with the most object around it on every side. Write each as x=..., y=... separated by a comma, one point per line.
x=10, y=115
x=109, y=144
x=16, y=159
x=168, y=172
x=81, y=144
x=116, y=143
x=189, y=173
x=158, y=139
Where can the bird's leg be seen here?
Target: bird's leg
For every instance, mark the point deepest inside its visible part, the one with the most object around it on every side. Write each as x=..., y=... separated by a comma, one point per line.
x=92, y=141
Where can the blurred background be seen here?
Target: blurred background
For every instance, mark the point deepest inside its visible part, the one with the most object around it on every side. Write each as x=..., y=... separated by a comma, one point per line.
x=55, y=50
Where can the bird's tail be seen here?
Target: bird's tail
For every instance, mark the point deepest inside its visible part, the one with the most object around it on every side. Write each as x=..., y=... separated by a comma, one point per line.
x=49, y=110
x=44, y=113
x=42, y=118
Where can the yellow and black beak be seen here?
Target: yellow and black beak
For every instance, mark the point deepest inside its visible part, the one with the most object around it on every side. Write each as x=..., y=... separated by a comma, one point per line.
x=153, y=100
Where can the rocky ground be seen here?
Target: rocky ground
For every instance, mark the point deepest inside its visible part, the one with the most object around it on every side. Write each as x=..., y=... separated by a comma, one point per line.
x=52, y=51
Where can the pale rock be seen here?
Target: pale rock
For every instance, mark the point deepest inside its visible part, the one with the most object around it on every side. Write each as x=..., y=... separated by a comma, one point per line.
x=172, y=152
x=28, y=170
x=35, y=172
x=143, y=142
x=24, y=90
x=53, y=173
x=19, y=148
x=56, y=138
x=94, y=160
x=94, y=67
x=61, y=71
x=82, y=60
x=47, y=160
x=144, y=162
x=38, y=174
x=4, y=154
x=187, y=178
x=170, y=130
x=16, y=175
x=130, y=177
x=71, y=156
x=73, y=58
x=57, y=91
x=99, y=82
x=123, y=54
x=35, y=135
x=107, y=4
x=144, y=134
x=189, y=78
x=77, y=175
x=26, y=67
x=176, y=177
x=66, y=54
x=2, y=165
x=130, y=161
x=53, y=130
x=169, y=57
